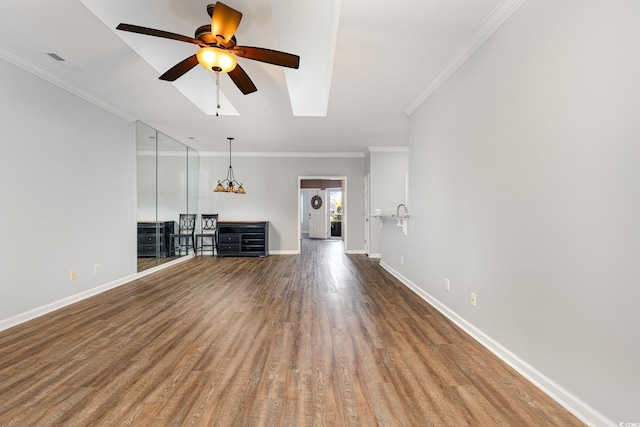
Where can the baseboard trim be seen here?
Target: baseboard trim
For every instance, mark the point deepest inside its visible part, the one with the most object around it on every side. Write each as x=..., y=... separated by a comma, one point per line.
x=286, y=252
x=56, y=305
x=572, y=403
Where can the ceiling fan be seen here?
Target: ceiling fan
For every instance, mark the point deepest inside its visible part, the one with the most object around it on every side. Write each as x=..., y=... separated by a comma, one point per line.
x=218, y=48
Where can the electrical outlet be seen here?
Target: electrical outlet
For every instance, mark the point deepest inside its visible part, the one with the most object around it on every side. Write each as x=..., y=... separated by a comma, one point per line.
x=446, y=284
x=402, y=260
x=73, y=275
x=473, y=299
x=96, y=269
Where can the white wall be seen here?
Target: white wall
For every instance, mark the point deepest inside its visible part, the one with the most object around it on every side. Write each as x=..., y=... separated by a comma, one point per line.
x=387, y=170
x=172, y=186
x=67, y=182
x=525, y=188
x=146, y=193
x=272, y=193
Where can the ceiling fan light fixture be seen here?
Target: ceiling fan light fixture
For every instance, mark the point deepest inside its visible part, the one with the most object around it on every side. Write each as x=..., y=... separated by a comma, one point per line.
x=218, y=48
x=216, y=59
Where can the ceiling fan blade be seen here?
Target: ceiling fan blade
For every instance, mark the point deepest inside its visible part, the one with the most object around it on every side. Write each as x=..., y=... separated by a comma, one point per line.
x=158, y=33
x=224, y=22
x=242, y=80
x=269, y=56
x=179, y=69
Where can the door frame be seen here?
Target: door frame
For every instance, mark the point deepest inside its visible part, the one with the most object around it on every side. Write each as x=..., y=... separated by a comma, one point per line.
x=329, y=192
x=344, y=205
x=367, y=216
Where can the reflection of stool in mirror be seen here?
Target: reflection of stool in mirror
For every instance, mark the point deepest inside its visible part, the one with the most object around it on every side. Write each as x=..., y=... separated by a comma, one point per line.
x=209, y=231
x=185, y=237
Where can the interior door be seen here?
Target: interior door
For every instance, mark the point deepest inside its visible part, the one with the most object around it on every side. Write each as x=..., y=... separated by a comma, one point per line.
x=318, y=217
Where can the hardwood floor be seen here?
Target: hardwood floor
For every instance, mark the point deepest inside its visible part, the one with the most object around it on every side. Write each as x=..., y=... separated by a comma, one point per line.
x=147, y=263
x=317, y=339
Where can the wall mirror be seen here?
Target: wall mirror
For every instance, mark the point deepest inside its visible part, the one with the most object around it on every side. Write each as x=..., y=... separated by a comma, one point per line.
x=167, y=186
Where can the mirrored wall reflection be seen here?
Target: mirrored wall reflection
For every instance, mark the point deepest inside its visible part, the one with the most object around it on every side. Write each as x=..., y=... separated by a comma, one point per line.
x=167, y=189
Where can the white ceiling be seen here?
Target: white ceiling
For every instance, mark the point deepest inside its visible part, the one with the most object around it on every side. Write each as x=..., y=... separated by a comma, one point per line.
x=364, y=64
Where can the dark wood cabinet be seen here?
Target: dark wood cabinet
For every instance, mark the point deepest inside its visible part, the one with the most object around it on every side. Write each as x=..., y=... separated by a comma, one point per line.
x=243, y=238
x=153, y=239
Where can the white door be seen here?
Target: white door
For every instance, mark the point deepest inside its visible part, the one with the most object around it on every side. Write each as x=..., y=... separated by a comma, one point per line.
x=318, y=217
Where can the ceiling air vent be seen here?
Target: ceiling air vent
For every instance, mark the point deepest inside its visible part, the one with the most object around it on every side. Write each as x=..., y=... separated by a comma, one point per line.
x=56, y=57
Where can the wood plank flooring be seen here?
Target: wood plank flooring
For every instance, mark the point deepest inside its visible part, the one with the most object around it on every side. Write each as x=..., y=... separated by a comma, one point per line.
x=321, y=339
x=147, y=263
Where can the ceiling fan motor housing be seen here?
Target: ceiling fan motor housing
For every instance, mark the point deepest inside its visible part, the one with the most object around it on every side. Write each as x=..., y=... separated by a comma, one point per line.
x=203, y=33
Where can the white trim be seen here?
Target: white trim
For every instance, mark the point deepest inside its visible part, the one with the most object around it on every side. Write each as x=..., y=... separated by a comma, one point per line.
x=572, y=403
x=33, y=68
x=374, y=256
x=387, y=149
x=56, y=305
x=367, y=209
x=498, y=15
x=355, y=252
x=181, y=153
x=279, y=154
x=284, y=252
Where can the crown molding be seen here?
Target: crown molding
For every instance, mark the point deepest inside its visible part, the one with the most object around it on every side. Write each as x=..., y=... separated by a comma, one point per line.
x=387, y=149
x=31, y=67
x=279, y=154
x=491, y=23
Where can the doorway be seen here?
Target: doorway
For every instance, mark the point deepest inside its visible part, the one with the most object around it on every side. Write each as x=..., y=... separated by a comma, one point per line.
x=334, y=197
x=322, y=209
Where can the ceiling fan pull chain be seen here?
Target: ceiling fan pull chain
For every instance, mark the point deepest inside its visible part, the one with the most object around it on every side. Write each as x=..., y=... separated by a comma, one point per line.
x=217, y=93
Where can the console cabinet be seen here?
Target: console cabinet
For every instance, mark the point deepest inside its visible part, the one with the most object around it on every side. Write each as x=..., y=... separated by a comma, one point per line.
x=243, y=238
x=153, y=239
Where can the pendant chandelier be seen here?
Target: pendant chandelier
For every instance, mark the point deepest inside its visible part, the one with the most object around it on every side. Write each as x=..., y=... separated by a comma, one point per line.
x=229, y=185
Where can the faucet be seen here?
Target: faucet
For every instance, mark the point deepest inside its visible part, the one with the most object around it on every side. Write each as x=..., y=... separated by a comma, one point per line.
x=406, y=211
